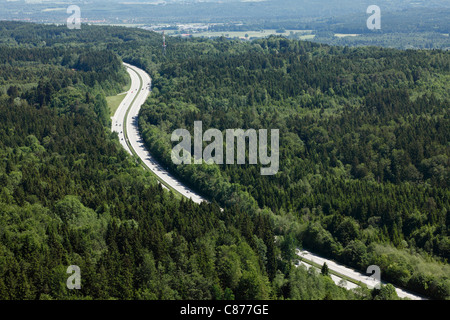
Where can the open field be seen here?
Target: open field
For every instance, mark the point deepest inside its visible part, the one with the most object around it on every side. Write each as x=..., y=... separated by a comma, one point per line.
x=343, y=35
x=243, y=34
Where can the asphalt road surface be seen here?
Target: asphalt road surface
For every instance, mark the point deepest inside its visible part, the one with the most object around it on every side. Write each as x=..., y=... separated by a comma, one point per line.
x=127, y=116
x=352, y=274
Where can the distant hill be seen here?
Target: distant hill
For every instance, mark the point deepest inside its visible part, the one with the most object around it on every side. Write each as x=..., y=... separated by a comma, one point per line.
x=153, y=11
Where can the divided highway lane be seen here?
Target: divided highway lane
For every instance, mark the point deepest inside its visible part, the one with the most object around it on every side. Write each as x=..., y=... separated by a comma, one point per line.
x=127, y=115
x=125, y=120
x=119, y=116
x=351, y=274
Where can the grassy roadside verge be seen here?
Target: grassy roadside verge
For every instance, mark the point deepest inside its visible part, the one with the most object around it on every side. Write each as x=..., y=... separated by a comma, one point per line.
x=115, y=101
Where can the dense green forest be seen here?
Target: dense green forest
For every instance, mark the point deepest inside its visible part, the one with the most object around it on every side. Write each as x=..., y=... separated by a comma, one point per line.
x=70, y=195
x=364, y=154
x=422, y=40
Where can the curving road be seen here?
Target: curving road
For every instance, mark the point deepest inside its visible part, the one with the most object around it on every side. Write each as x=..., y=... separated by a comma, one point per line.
x=125, y=123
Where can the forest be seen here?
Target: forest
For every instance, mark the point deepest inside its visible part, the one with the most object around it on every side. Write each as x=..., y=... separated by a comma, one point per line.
x=70, y=195
x=364, y=154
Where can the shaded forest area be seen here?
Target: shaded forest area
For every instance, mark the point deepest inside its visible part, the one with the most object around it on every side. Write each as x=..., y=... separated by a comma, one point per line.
x=70, y=195
x=364, y=150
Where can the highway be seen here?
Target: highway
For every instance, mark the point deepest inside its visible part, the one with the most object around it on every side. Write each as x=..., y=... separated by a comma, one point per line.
x=125, y=123
x=349, y=273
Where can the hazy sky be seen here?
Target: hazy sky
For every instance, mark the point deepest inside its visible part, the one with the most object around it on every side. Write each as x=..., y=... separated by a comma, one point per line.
x=212, y=10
